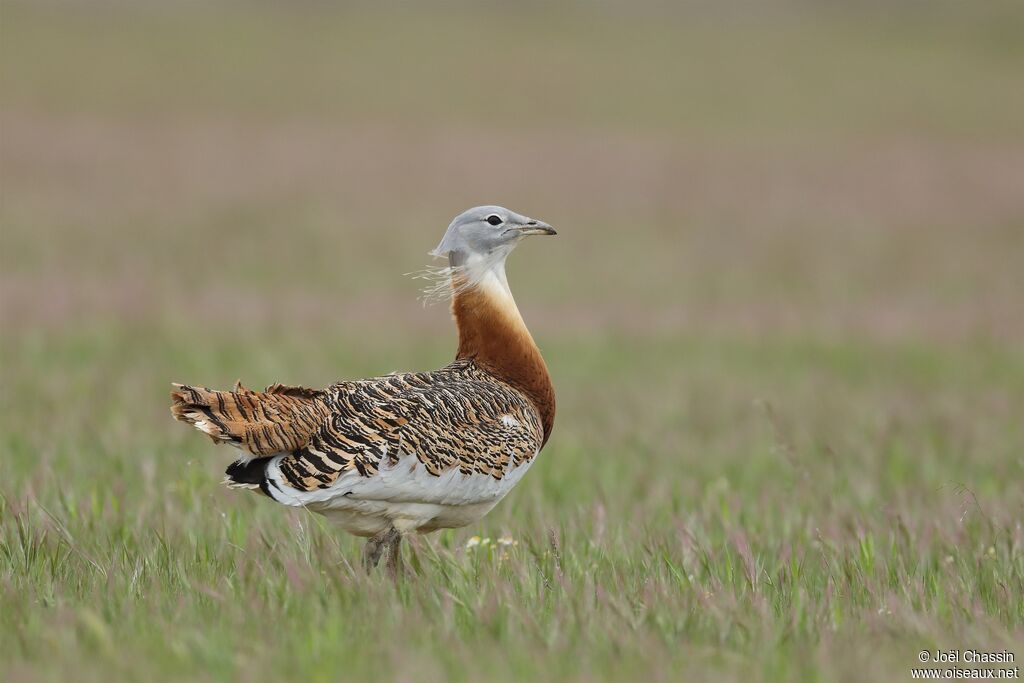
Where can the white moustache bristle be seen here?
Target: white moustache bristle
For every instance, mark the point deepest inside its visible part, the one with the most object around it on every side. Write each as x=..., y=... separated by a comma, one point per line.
x=439, y=286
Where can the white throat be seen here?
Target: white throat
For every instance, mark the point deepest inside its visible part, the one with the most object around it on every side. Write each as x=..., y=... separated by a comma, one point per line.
x=486, y=271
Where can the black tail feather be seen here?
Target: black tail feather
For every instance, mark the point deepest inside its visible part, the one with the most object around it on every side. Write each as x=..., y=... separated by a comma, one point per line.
x=250, y=473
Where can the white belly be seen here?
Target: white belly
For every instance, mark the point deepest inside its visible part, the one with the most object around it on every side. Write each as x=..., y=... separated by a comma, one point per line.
x=405, y=496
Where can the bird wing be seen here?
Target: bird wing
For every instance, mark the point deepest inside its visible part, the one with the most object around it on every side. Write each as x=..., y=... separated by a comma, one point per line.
x=459, y=418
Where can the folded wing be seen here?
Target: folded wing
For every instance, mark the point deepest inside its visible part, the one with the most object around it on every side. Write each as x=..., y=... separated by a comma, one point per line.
x=459, y=419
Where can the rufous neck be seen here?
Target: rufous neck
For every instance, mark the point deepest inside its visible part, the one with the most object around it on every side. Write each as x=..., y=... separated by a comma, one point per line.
x=493, y=334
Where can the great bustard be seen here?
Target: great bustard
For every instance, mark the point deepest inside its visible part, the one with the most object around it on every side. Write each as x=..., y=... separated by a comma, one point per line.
x=407, y=452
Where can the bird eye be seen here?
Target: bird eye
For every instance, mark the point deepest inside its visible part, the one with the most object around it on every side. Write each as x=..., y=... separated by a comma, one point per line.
x=494, y=219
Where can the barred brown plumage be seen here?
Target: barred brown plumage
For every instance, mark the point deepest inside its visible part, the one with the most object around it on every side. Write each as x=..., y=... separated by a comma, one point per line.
x=409, y=451
x=419, y=414
x=260, y=422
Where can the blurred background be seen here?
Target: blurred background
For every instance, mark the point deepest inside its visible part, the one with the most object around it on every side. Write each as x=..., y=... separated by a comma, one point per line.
x=788, y=280
x=715, y=169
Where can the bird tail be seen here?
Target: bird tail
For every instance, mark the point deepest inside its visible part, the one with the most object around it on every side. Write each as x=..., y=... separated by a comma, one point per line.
x=278, y=420
x=248, y=474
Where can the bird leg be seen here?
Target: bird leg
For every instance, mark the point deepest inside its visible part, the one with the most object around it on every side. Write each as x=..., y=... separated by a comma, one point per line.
x=372, y=551
x=386, y=540
x=394, y=553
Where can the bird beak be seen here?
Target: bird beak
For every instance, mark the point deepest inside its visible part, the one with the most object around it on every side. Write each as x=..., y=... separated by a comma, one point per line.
x=535, y=228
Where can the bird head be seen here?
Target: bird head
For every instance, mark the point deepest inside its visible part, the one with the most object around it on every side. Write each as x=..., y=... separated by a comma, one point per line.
x=485, y=235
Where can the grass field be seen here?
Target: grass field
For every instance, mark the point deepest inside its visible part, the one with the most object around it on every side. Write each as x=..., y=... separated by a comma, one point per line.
x=783, y=315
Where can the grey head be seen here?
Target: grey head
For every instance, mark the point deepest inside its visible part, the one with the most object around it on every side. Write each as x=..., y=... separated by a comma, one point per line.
x=488, y=234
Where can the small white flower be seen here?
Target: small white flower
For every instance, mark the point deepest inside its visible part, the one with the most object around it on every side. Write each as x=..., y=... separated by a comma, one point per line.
x=473, y=542
x=507, y=541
